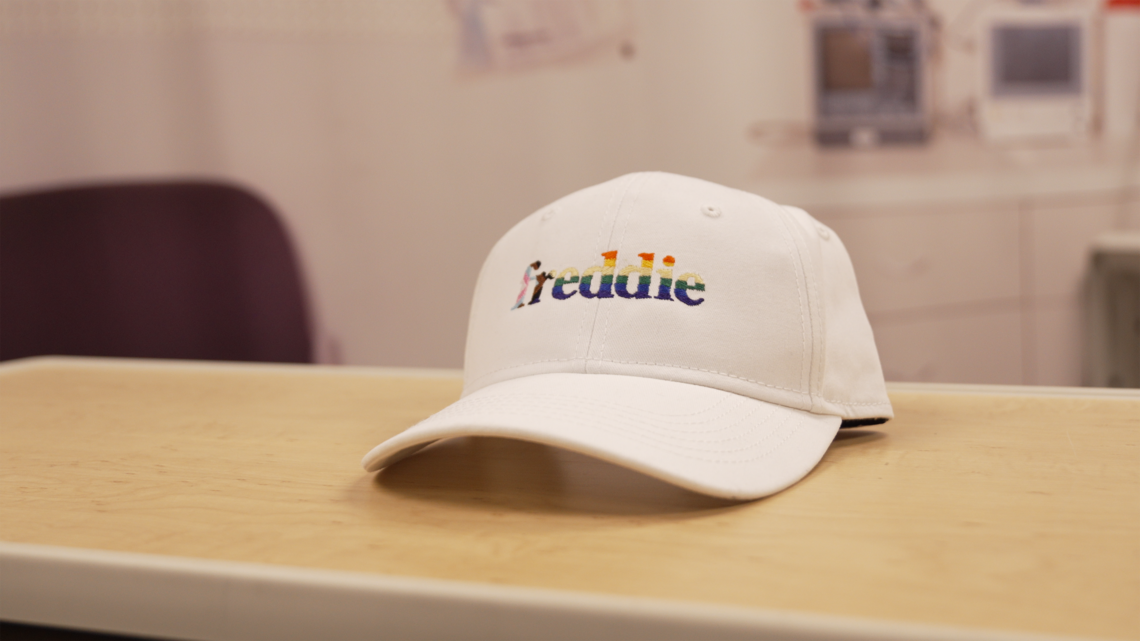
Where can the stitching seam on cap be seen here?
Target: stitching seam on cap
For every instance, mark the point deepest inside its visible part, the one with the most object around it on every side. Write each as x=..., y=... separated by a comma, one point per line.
x=610, y=360
x=696, y=369
x=722, y=400
x=568, y=409
x=801, y=278
x=635, y=179
x=598, y=244
x=674, y=450
x=711, y=371
x=620, y=244
x=665, y=415
x=818, y=316
x=522, y=400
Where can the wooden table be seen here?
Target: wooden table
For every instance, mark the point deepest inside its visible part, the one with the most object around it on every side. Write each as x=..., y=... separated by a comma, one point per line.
x=215, y=501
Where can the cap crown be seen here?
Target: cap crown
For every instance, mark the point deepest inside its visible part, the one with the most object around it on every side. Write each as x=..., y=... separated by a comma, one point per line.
x=664, y=276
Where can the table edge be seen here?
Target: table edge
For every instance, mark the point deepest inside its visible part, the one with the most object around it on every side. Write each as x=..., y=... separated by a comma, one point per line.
x=107, y=362
x=1045, y=391
x=168, y=596
x=38, y=362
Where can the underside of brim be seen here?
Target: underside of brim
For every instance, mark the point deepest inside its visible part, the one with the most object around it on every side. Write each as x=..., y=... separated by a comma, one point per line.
x=862, y=422
x=704, y=439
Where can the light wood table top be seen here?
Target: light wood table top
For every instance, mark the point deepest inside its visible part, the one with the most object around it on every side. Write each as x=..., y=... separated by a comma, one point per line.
x=995, y=511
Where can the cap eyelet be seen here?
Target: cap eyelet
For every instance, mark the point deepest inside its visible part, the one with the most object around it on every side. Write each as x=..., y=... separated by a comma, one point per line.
x=712, y=211
x=549, y=213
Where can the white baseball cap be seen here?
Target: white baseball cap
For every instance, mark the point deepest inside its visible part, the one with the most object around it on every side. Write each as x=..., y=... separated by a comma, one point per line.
x=699, y=334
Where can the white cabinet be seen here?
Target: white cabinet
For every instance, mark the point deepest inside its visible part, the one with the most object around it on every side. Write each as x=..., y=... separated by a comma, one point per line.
x=1059, y=237
x=927, y=258
x=971, y=260
x=958, y=346
x=942, y=285
x=977, y=292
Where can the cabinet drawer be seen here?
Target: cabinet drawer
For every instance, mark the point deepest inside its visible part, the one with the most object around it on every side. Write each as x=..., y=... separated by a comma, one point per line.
x=977, y=348
x=1062, y=239
x=916, y=258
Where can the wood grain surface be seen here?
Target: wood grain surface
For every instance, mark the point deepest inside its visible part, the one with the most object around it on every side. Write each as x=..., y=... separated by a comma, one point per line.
x=1005, y=512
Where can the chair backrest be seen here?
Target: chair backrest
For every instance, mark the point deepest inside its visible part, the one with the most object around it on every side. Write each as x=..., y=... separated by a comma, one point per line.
x=168, y=270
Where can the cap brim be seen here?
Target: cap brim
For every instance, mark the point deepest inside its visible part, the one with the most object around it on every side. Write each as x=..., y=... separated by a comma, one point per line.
x=700, y=438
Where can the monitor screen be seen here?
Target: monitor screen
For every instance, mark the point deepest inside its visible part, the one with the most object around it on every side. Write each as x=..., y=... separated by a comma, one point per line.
x=1037, y=59
x=847, y=59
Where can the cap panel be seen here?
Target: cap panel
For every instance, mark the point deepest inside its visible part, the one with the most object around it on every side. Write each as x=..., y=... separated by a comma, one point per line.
x=512, y=332
x=747, y=330
x=851, y=383
x=806, y=243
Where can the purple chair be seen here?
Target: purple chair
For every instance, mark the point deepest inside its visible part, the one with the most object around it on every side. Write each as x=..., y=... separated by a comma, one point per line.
x=191, y=270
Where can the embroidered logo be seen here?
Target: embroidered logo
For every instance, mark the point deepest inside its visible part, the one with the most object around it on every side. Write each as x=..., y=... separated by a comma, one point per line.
x=528, y=276
x=633, y=281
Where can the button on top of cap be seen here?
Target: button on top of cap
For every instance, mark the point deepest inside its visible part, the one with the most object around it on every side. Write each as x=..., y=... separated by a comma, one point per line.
x=712, y=211
x=824, y=232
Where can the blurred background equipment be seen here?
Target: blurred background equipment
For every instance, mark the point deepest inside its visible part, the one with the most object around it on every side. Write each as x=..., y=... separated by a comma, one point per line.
x=872, y=72
x=1037, y=62
x=1114, y=312
x=497, y=35
x=1121, y=78
x=161, y=270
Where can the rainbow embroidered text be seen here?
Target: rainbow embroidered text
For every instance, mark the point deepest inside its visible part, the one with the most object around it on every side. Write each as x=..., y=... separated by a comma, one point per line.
x=563, y=289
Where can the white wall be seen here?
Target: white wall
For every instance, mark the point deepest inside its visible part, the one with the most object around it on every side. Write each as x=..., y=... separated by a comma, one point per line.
x=394, y=168
x=395, y=171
